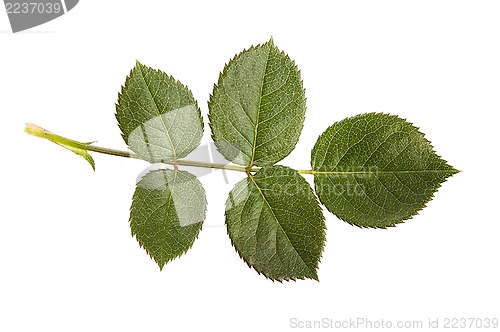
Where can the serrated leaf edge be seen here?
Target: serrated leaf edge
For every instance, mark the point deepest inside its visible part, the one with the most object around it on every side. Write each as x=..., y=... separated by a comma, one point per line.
x=452, y=171
x=139, y=66
x=223, y=74
x=161, y=265
x=315, y=270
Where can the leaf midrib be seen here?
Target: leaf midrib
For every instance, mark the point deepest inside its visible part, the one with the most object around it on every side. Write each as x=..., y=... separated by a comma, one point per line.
x=254, y=145
x=388, y=172
x=280, y=227
x=158, y=112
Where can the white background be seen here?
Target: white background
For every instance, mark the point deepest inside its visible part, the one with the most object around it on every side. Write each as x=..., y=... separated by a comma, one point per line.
x=67, y=259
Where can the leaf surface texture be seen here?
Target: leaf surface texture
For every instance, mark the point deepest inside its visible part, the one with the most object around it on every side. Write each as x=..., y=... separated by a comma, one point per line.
x=158, y=116
x=276, y=224
x=376, y=170
x=258, y=106
x=167, y=212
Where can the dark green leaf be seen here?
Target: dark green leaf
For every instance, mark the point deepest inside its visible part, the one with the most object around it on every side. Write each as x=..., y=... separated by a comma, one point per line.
x=376, y=170
x=167, y=212
x=159, y=118
x=276, y=225
x=257, y=108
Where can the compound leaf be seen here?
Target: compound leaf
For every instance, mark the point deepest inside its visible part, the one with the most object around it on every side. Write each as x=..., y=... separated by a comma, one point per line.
x=276, y=224
x=376, y=170
x=158, y=116
x=257, y=107
x=167, y=212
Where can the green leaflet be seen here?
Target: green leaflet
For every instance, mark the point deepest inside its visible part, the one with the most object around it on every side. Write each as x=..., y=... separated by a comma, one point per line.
x=376, y=170
x=158, y=116
x=276, y=224
x=257, y=107
x=167, y=212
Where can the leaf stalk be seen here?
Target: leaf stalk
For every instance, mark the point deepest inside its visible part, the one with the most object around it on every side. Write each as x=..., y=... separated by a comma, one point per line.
x=38, y=131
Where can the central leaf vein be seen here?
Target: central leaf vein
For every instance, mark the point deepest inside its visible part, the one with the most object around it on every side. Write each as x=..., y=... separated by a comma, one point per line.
x=277, y=220
x=157, y=108
x=254, y=144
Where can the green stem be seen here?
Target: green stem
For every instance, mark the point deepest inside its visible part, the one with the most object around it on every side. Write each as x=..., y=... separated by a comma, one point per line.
x=230, y=167
x=111, y=152
x=306, y=171
x=37, y=131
